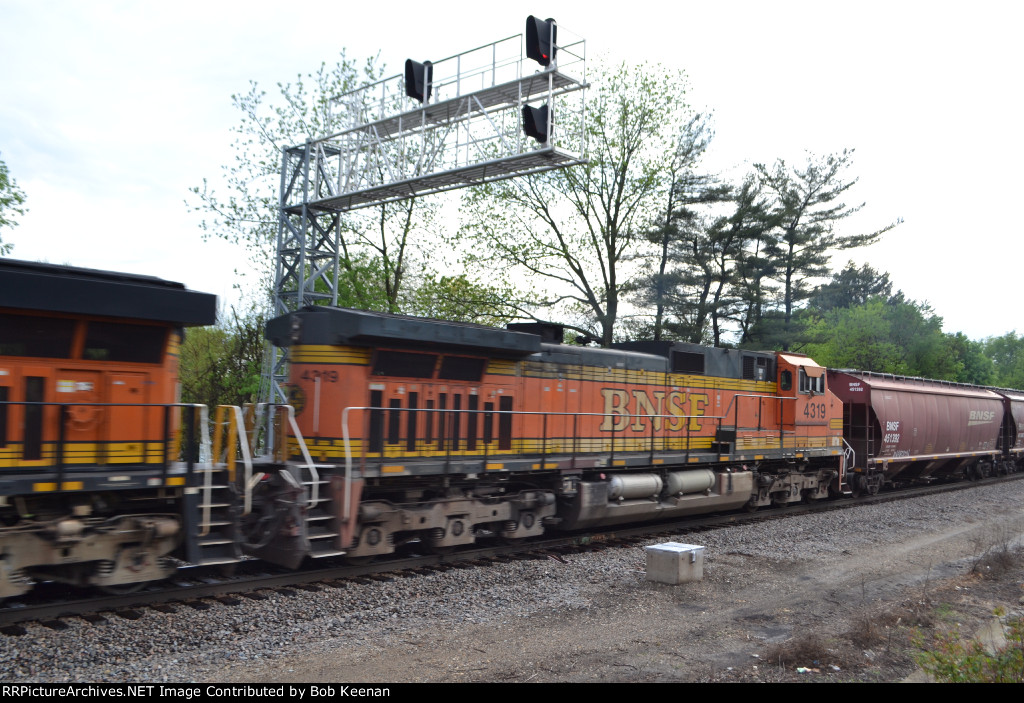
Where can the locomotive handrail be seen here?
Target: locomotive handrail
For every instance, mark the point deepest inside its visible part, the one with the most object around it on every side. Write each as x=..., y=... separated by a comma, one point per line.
x=315, y=492
x=685, y=420
x=85, y=402
x=251, y=480
x=450, y=411
x=253, y=416
x=247, y=477
x=850, y=455
x=189, y=410
x=760, y=398
x=204, y=447
x=348, y=461
x=346, y=435
x=204, y=444
x=731, y=409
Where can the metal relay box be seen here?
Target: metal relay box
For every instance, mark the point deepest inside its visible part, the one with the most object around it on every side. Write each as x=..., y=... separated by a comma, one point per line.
x=674, y=563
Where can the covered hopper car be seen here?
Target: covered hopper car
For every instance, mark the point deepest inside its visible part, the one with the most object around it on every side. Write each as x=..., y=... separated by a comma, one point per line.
x=911, y=430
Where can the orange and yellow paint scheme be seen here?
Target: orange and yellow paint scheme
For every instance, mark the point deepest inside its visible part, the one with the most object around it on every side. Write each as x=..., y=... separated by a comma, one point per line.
x=446, y=419
x=91, y=489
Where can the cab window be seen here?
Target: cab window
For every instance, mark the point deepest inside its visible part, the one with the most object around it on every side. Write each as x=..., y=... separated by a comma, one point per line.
x=811, y=384
x=120, y=341
x=786, y=380
x=28, y=335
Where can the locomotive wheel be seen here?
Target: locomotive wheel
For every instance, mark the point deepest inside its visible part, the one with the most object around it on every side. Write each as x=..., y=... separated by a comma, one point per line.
x=857, y=486
x=259, y=530
x=364, y=560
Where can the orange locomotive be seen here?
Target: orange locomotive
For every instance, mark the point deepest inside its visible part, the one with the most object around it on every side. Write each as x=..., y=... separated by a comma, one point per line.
x=91, y=487
x=415, y=429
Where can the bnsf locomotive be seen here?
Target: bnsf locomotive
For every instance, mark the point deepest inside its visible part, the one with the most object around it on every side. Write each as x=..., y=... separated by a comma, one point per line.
x=100, y=478
x=444, y=433
x=408, y=430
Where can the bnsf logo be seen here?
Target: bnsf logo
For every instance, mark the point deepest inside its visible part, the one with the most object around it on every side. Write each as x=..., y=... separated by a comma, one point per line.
x=979, y=417
x=624, y=409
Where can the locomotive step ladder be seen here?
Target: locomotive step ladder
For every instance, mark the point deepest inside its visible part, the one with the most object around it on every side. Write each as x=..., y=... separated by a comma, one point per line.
x=320, y=524
x=211, y=518
x=212, y=502
x=320, y=528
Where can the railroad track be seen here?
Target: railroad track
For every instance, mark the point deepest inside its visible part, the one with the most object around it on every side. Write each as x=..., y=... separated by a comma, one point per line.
x=50, y=605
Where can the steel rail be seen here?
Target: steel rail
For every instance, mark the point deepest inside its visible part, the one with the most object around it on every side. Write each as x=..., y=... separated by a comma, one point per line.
x=192, y=584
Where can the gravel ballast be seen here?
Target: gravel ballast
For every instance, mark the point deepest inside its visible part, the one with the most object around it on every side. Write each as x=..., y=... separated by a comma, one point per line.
x=592, y=618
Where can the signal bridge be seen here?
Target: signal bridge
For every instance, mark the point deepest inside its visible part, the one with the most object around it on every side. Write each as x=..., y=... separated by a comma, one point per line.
x=465, y=120
x=466, y=132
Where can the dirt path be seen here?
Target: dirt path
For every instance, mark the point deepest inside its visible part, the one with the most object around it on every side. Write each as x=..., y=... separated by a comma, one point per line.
x=846, y=614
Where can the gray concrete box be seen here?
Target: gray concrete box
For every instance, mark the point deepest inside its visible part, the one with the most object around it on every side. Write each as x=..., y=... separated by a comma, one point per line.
x=675, y=563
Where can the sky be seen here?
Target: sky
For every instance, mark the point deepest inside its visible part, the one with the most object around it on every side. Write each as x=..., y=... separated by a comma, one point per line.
x=111, y=110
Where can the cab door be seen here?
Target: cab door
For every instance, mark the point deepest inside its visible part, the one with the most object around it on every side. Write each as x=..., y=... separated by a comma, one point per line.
x=79, y=393
x=787, y=394
x=126, y=425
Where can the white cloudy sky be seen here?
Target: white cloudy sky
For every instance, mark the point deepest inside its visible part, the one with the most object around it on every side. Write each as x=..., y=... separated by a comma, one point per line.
x=111, y=110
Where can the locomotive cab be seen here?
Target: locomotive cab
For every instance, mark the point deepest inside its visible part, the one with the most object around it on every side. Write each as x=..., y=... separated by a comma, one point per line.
x=806, y=401
x=91, y=489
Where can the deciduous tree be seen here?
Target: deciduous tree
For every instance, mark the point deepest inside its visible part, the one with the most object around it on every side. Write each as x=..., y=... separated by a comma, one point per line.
x=220, y=365
x=888, y=335
x=975, y=368
x=1007, y=355
x=571, y=232
x=242, y=205
x=12, y=200
x=458, y=298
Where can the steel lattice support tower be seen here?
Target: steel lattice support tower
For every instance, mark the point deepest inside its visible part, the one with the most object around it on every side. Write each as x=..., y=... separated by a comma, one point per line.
x=308, y=242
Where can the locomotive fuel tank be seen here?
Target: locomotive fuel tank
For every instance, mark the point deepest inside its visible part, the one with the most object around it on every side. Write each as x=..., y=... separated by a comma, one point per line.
x=597, y=502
